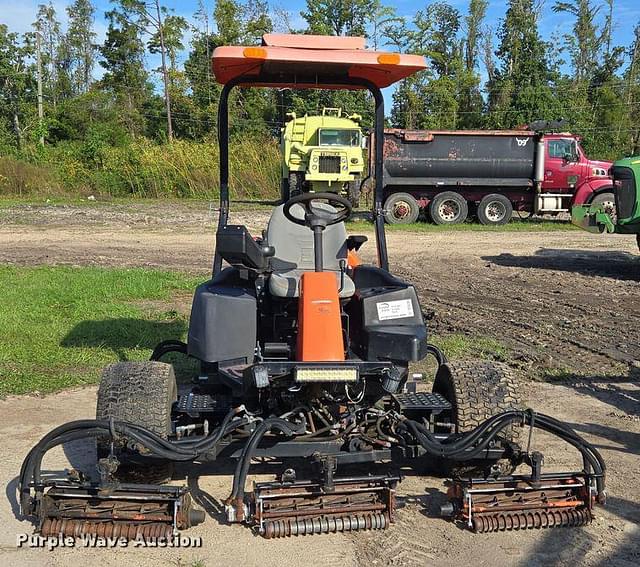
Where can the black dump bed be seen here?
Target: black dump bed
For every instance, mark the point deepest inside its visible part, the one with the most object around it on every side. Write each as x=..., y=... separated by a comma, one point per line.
x=428, y=158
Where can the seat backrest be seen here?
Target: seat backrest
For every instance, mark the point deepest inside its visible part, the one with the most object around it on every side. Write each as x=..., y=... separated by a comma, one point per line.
x=293, y=243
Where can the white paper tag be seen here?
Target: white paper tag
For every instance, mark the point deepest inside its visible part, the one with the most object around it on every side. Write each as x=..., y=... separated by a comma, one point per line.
x=394, y=309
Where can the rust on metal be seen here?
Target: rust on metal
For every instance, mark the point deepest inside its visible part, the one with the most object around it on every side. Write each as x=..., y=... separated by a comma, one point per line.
x=299, y=508
x=106, y=529
x=515, y=504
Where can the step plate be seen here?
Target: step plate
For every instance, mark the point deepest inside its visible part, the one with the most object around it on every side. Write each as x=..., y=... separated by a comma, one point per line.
x=420, y=401
x=197, y=404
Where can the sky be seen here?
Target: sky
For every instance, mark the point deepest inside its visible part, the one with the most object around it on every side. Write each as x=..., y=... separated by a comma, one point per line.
x=19, y=15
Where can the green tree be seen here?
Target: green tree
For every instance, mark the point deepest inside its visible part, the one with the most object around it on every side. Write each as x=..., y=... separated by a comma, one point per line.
x=521, y=89
x=56, y=57
x=125, y=74
x=80, y=40
x=17, y=85
x=585, y=42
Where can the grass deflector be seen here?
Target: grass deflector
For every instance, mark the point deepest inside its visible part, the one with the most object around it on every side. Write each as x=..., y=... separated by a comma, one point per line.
x=304, y=356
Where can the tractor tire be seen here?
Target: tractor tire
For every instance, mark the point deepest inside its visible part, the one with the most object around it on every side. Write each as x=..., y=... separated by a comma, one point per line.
x=448, y=207
x=401, y=208
x=141, y=393
x=478, y=390
x=609, y=201
x=494, y=210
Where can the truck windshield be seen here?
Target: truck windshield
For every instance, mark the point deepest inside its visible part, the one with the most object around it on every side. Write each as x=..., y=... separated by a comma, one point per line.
x=563, y=148
x=338, y=137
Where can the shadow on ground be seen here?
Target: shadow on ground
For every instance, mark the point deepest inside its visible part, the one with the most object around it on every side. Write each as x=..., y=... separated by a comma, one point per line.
x=620, y=392
x=121, y=335
x=618, y=265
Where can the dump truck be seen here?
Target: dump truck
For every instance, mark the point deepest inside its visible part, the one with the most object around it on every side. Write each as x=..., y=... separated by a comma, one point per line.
x=488, y=174
x=322, y=153
x=624, y=218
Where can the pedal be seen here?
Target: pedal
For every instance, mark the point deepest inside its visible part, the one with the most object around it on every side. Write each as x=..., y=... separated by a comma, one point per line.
x=129, y=511
x=282, y=509
x=519, y=502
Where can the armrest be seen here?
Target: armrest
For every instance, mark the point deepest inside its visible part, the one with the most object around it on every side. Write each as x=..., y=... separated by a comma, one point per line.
x=355, y=242
x=236, y=245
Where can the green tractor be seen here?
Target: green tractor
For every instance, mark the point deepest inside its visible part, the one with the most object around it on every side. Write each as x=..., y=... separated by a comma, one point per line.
x=322, y=153
x=626, y=219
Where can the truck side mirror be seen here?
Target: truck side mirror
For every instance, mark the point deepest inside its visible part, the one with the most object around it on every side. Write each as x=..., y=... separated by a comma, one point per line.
x=569, y=158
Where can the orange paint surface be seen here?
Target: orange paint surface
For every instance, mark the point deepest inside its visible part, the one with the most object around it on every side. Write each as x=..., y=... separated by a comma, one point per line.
x=320, y=327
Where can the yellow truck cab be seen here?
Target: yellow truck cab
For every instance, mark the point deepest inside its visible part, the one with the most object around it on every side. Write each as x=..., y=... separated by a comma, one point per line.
x=322, y=153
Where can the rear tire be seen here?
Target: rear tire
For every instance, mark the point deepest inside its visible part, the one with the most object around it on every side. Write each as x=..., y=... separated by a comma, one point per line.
x=448, y=207
x=141, y=393
x=478, y=390
x=401, y=208
x=494, y=210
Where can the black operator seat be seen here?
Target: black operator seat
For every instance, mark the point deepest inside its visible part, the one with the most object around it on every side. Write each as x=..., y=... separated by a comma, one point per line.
x=294, y=255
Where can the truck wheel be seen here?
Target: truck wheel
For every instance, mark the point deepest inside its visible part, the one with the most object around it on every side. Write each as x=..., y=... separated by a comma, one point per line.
x=608, y=200
x=401, y=208
x=495, y=210
x=478, y=390
x=285, y=191
x=448, y=208
x=353, y=193
x=296, y=183
x=141, y=393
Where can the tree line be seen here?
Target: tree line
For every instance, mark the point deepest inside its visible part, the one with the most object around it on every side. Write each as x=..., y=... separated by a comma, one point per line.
x=60, y=87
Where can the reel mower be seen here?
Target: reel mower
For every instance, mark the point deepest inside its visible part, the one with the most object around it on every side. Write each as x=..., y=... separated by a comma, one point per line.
x=304, y=355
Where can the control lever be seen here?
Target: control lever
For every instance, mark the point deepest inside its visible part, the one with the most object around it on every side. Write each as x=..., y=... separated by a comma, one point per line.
x=343, y=269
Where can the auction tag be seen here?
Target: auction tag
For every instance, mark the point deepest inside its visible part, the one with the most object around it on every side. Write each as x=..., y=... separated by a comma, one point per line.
x=394, y=309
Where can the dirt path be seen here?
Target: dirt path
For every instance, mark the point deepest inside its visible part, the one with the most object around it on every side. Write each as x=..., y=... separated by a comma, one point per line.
x=565, y=303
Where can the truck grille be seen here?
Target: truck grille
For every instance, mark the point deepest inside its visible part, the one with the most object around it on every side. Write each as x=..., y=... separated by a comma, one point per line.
x=329, y=164
x=625, y=191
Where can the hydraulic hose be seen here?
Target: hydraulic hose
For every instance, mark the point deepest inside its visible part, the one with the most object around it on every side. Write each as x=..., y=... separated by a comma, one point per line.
x=156, y=445
x=242, y=468
x=472, y=444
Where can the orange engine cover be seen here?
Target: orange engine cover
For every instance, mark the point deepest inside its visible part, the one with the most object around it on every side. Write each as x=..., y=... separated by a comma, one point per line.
x=320, y=327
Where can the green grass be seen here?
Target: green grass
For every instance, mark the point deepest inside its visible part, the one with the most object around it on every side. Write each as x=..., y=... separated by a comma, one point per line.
x=531, y=225
x=60, y=326
x=457, y=346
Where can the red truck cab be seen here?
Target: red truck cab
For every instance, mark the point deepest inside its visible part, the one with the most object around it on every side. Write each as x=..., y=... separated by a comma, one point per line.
x=568, y=168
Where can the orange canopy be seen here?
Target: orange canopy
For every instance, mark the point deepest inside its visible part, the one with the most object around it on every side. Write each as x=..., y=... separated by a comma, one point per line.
x=312, y=61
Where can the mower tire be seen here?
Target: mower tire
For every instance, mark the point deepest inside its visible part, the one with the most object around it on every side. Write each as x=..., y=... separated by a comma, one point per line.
x=141, y=393
x=478, y=390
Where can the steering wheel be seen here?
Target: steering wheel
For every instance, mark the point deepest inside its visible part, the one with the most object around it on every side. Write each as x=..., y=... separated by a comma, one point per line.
x=316, y=216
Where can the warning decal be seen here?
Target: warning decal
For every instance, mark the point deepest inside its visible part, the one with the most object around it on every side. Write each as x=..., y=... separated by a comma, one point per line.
x=394, y=309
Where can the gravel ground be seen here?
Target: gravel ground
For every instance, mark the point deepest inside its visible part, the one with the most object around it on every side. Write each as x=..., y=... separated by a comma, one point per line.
x=564, y=303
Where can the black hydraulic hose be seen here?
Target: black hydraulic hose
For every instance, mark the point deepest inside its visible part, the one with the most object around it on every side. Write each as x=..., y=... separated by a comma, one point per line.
x=440, y=357
x=475, y=442
x=242, y=468
x=31, y=466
